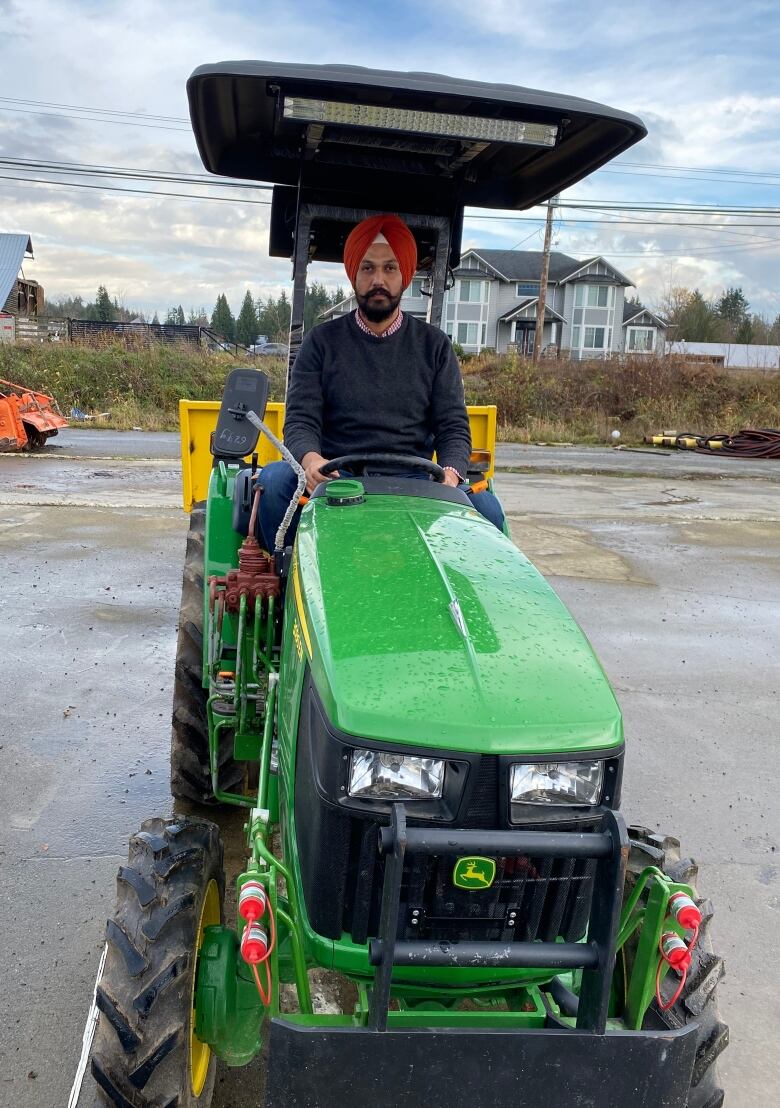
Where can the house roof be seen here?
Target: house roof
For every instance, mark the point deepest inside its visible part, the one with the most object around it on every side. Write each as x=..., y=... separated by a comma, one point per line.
x=526, y=265
x=622, y=279
x=462, y=271
x=634, y=311
x=12, y=251
x=524, y=305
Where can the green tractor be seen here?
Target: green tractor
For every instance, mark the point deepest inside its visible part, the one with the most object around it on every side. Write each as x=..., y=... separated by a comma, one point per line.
x=428, y=753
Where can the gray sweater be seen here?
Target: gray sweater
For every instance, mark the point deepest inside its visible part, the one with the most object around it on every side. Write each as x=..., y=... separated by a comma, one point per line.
x=353, y=393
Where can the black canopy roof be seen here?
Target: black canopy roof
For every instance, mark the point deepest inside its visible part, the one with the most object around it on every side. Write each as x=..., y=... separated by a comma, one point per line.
x=237, y=111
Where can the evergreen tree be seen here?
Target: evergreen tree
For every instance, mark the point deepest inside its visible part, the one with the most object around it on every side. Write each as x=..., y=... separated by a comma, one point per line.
x=180, y=316
x=746, y=331
x=171, y=316
x=698, y=321
x=156, y=320
x=104, y=309
x=246, y=324
x=222, y=320
x=199, y=318
x=734, y=311
x=316, y=302
x=274, y=318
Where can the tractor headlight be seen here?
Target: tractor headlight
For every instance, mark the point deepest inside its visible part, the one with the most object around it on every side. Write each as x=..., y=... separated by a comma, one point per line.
x=577, y=783
x=384, y=775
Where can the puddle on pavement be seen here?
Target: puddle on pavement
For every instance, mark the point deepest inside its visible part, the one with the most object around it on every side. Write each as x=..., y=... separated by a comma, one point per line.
x=563, y=551
x=732, y=533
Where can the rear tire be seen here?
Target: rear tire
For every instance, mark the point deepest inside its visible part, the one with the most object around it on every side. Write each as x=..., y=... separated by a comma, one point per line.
x=190, y=766
x=145, y=1053
x=698, y=1000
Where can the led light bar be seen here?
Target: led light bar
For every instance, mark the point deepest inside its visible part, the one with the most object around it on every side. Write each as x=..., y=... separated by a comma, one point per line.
x=425, y=123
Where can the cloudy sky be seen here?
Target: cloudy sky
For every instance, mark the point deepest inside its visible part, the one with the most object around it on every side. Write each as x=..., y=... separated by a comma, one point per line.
x=702, y=75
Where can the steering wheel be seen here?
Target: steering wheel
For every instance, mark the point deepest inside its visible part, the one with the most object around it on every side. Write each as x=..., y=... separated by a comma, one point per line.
x=357, y=464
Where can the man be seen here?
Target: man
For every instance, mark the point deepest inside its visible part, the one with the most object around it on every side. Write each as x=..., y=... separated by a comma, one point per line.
x=373, y=381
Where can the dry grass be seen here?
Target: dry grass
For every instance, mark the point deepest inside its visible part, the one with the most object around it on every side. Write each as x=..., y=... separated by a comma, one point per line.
x=136, y=384
x=140, y=386
x=585, y=401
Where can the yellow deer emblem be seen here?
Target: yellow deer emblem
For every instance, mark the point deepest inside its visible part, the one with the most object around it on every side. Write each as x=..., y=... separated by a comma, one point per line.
x=474, y=873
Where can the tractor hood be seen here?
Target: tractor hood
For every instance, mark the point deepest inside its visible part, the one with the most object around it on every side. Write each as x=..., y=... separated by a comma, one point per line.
x=425, y=626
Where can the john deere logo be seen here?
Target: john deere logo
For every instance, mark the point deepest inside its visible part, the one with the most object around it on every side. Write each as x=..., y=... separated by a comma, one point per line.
x=474, y=873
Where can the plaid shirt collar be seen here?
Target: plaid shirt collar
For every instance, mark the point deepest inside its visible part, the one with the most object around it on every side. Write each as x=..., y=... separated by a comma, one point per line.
x=391, y=330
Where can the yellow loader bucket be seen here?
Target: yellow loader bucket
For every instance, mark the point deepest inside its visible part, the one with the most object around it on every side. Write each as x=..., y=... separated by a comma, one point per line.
x=198, y=418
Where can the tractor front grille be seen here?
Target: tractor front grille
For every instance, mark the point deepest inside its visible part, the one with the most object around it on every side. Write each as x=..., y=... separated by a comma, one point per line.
x=343, y=872
x=530, y=898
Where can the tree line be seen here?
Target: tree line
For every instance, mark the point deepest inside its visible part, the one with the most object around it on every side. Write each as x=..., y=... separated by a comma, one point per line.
x=270, y=317
x=726, y=318
x=110, y=310
x=256, y=317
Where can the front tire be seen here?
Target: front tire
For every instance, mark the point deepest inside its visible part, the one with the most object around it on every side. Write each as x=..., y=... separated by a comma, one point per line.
x=698, y=1000
x=146, y=1052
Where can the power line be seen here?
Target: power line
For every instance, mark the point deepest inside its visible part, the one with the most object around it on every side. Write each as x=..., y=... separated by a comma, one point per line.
x=674, y=208
x=86, y=167
x=677, y=171
x=134, y=192
x=604, y=207
x=94, y=111
x=693, y=177
x=757, y=242
x=94, y=119
x=702, y=169
x=82, y=170
x=621, y=222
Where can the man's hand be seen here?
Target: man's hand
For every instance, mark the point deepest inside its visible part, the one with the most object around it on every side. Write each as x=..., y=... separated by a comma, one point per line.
x=312, y=465
x=451, y=478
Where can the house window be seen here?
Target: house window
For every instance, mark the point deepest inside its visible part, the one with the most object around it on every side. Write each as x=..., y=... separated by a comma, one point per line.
x=641, y=339
x=471, y=334
x=594, y=338
x=527, y=288
x=575, y=338
x=594, y=296
x=473, y=292
x=415, y=289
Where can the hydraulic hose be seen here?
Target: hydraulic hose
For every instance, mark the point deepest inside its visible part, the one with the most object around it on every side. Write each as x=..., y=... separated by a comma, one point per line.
x=298, y=469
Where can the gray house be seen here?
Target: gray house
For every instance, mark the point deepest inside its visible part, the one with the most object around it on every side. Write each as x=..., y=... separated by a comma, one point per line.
x=493, y=304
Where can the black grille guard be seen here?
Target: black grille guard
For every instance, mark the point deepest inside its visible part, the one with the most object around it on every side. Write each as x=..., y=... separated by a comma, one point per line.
x=596, y=957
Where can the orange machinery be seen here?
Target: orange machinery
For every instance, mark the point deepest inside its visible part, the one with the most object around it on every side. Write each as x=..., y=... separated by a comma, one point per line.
x=27, y=418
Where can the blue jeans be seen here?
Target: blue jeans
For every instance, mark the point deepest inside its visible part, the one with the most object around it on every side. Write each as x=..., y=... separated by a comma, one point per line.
x=279, y=483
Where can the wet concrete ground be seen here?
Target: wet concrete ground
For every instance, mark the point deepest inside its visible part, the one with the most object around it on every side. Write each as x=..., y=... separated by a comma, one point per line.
x=676, y=584
x=79, y=442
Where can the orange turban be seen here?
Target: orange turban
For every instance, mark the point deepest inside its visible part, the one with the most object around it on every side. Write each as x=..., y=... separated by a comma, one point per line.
x=400, y=240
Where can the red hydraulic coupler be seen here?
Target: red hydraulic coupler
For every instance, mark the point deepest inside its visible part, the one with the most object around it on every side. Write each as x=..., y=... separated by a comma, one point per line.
x=254, y=944
x=252, y=901
x=685, y=911
x=675, y=952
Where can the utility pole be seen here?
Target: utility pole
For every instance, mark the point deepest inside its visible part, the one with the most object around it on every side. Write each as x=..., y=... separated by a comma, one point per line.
x=543, y=280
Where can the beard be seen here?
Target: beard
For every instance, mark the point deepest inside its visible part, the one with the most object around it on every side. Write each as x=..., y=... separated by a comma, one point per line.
x=380, y=309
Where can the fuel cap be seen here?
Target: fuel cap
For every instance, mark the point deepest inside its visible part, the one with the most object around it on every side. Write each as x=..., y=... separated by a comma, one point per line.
x=343, y=492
